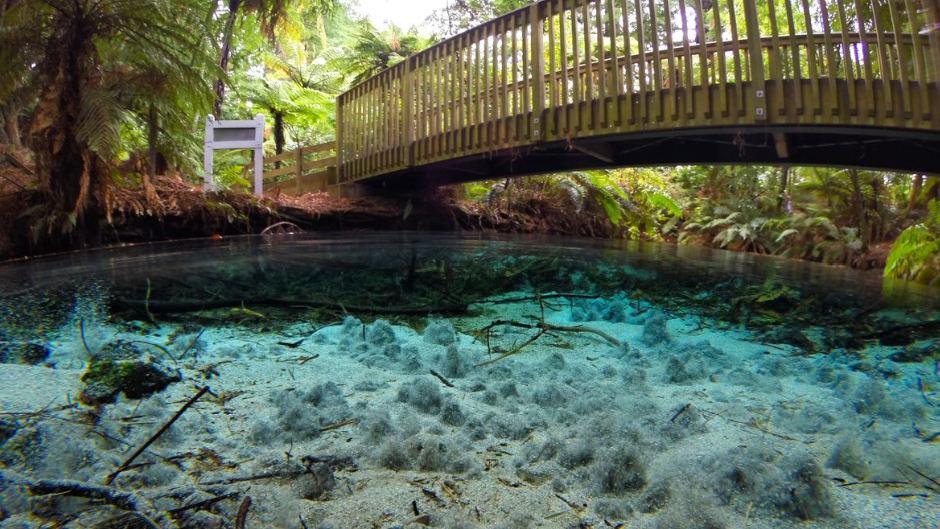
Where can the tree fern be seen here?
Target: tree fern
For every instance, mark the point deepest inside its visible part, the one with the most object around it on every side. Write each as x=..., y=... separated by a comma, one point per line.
x=916, y=252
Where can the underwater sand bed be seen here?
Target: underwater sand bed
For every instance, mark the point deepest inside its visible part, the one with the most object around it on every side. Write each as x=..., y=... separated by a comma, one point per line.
x=679, y=425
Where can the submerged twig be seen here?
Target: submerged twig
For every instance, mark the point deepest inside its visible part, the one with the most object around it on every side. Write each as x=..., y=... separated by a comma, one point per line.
x=81, y=332
x=543, y=327
x=197, y=305
x=127, y=501
x=751, y=424
x=337, y=425
x=680, y=412
x=242, y=515
x=147, y=303
x=162, y=349
x=523, y=299
x=443, y=380
x=155, y=436
x=192, y=343
x=202, y=504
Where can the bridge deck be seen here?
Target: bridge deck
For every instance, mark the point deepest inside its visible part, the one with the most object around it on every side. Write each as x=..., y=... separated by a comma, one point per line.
x=566, y=84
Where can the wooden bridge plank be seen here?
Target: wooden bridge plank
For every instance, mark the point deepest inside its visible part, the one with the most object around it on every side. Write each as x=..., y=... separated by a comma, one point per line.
x=617, y=78
x=657, y=63
x=687, y=69
x=537, y=32
x=721, y=66
x=795, y=61
x=526, y=100
x=756, y=63
x=847, y=63
x=741, y=102
x=504, y=86
x=476, y=94
x=831, y=67
x=483, y=90
x=673, y=78
x=514, y=110
x=902, y=68
x=588, y=114
x=777, y=104
x=564, y=128
x=641, y=38
x=487, y=101
x=865, y=57
x=574, y=120
x=920, y=66
x=703, y=61
x=628, y=115
x=601, y=68
x=811, y=52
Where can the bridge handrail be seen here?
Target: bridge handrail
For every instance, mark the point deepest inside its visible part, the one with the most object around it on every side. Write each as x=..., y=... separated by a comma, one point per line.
x=308, y=168
x=559, y=70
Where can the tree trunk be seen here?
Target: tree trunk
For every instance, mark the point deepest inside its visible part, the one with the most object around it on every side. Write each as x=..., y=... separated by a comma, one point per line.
x=700, y=32
x=12, y=127
x=152, y=134
x=226, y=52
x=72, y=176
x=858, y=207
x=916, y=189
x=279, y=140
x=153, y=124
x=782, y=189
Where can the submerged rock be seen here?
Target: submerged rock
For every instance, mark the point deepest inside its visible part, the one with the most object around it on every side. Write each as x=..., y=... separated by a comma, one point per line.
x=621, y=471
x=654, y=330
x=424, y=394
x=317, y=483
x=105, y=379
x=917, y=353
x=7, y=430
x=792, y=485
x=440, y=332
x=119, y=350
x=790, y=335
x=24, y=353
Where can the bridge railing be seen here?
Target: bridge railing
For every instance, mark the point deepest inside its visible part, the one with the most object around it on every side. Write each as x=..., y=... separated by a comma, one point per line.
x=560, y=70
x=298, y=171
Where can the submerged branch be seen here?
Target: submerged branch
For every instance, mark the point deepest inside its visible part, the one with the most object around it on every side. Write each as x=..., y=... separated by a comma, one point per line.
x=179, y=306
x=543, y=328
x=127, y=501
x=155, y=436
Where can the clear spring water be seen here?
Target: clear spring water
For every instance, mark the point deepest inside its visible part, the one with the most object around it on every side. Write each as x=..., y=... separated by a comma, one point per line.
x=380, y=380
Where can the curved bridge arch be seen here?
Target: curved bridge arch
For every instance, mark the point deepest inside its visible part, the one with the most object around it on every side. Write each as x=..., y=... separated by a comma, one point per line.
x=566, y=84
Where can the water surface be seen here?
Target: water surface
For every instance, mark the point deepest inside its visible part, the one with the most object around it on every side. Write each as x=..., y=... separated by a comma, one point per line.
x=407, y=379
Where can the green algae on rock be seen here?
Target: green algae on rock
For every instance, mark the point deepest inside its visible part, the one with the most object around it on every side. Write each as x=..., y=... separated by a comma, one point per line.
x=105, y=379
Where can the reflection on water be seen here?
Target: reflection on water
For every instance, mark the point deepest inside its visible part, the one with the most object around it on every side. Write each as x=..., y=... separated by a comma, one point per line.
x=394, y=380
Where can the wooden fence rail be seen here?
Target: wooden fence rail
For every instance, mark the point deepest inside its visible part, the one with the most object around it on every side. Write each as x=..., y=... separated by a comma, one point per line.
x=562, y=70
x=302, y=170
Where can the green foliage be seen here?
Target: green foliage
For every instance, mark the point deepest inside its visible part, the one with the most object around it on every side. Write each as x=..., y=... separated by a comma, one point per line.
x=915, y=255
x=374, y=51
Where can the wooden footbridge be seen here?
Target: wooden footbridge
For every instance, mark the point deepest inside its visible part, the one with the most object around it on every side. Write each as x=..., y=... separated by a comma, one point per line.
x=573, y=84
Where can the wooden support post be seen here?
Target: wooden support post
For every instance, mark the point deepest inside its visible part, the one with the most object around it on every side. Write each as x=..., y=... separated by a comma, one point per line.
x=340, y=140
x=408, y=113
x=781, y=145
x=933, y=35
x=207, y=156
x=755, y=60
x=299, y=170
x=602, y=151
x=537, y=65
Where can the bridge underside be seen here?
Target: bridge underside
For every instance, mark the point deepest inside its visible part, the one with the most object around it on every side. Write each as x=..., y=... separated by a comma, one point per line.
x=860, y=147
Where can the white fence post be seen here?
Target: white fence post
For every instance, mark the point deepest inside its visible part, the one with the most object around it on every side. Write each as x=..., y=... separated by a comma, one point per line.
x=207, y=154
x=235, y=134
x=259, y=155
